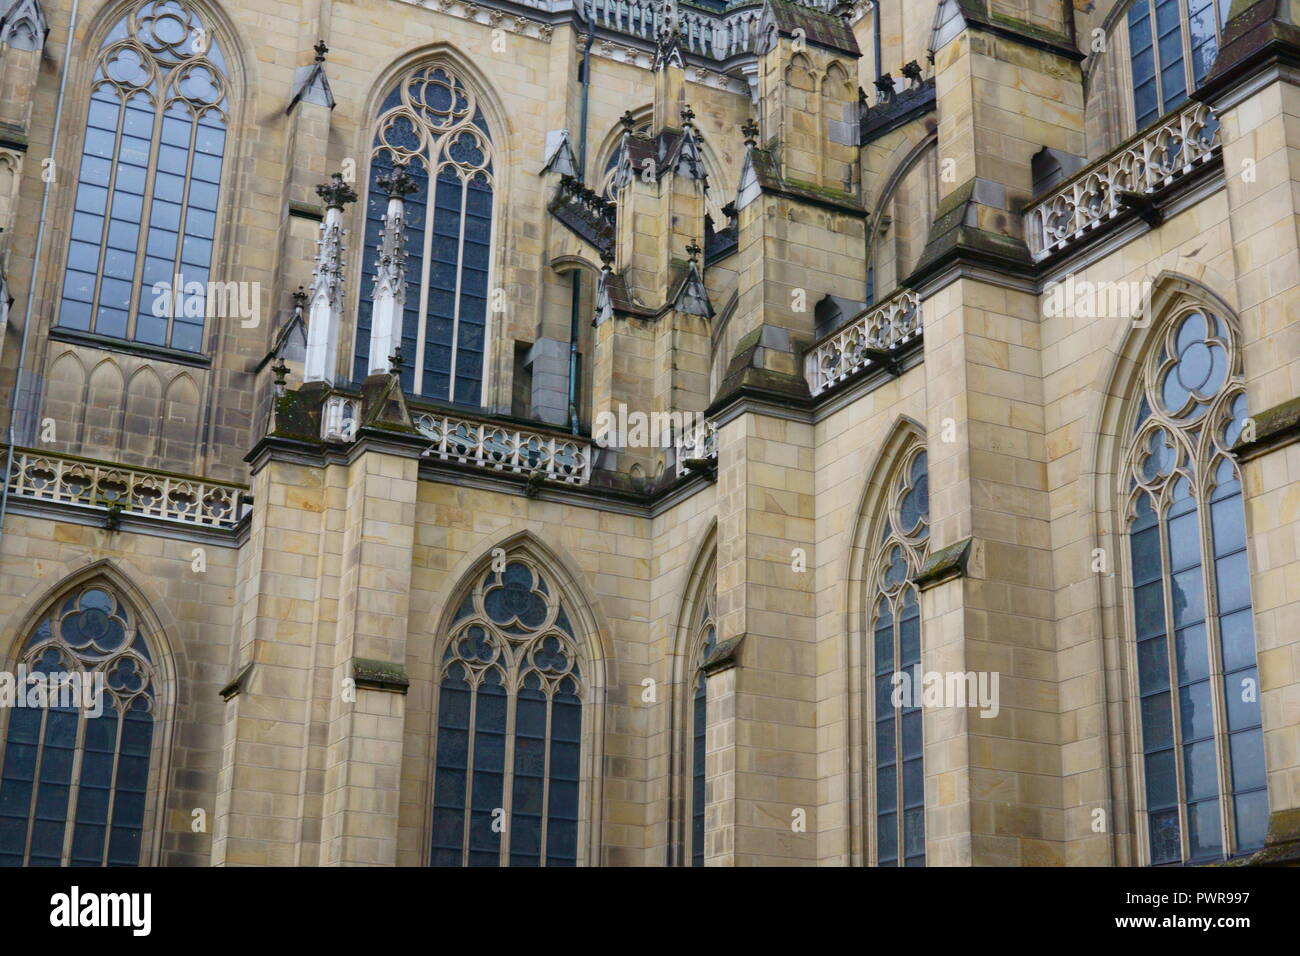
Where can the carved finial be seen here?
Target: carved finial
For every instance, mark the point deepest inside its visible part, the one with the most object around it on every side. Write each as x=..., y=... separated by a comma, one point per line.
x=750, y=129
x=693, y=252
x=336, y=192
x=688, y=116
x=281, y=370
x=299, y=301
x=884, y=88
x=607, y=258
x=395, y=362
x=321, y=49
x=397, y=182
x=628, y=121
x=844, y=9
x=912, y=71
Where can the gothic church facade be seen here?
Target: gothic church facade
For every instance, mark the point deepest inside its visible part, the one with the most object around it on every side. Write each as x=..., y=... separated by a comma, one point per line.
x=637, y=433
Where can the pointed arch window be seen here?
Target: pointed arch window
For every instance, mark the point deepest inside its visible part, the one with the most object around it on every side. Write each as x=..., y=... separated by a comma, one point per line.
x=1202, y=743
x=510, y=709
x=432, y=122
x=897, y=768
x=705, y=640
x=145, y=210
x=74, y=779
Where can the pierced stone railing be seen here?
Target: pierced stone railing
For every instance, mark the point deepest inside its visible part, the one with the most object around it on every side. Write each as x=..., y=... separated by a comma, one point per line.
x=715, y=35
x=1098, y=193
x=42, y=476
x=699, y=441
x=848, y=350
x=507, y=448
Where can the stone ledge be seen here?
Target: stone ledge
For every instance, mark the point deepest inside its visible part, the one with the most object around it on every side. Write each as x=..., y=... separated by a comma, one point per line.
x=236, y=686
x=946, y=564
x=1275, y=428
x=380, y=675
x=724, y=657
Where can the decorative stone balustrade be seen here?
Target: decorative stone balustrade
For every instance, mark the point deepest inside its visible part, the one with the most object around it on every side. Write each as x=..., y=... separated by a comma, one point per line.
x=41, y=476
x=503, y=447
x=863, y=341
x=1098, y=193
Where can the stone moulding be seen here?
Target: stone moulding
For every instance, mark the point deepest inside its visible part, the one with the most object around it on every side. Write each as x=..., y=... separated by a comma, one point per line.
x=109, y=489
x=380, y=675
x=946, y=564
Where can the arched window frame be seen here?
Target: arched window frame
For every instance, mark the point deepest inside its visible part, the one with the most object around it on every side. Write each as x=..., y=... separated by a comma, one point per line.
x=703, y=641
x=41, y=632
x=206, y=58
x=512, y=659
x=899, y=540
x=472, y=130
x=1175, y=462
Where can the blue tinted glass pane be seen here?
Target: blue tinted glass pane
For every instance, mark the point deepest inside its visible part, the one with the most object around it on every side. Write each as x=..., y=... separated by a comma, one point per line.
x=1195, y=711
x=887, y=839
x=913, y=782
x=886, y=789
x=1193, y=653
x=1163, y=830
x=1241, y=694
x=1205, y=841
x=1228, y=520
x=130, y=789
x=1200, y=769
x=1184, y=542
x=1162, y=780
x=1252, y=819
x=1187, y=592
x=1247, y=751
x=1149, y=607
x=1237, y=635
x=1232, y=577
x=565, y=769
x=885, y=746
x=1153, y=666
x=1157, y=722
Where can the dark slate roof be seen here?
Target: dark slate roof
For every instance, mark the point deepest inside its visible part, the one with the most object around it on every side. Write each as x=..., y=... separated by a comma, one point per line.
x=820, y=29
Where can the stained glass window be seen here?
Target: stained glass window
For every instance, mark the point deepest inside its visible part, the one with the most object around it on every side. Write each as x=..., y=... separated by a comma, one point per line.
x=75, y=769
x=898, y=744
x=1172, y=45
x=432, y=122
x=1202, y=743
x=146, y=204
x=508, y=764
